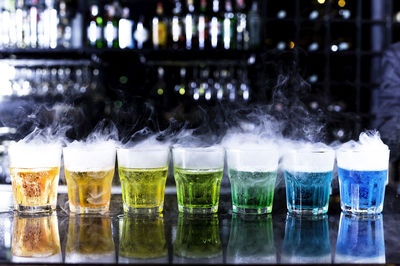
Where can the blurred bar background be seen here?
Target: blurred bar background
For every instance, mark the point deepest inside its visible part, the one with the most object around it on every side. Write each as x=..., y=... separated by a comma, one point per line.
x=146, y=62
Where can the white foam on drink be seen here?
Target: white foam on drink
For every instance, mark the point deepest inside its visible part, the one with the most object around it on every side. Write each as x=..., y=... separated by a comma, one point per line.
x=34, y=154
x=250, y=158
x=94, y=156
x=367, y=154
x=198, y=158
x=140, y=157
x=309, y=157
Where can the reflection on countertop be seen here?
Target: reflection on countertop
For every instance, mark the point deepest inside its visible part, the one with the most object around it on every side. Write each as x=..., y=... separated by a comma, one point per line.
x=35, y=239
x=221, y=238
x=360, y=240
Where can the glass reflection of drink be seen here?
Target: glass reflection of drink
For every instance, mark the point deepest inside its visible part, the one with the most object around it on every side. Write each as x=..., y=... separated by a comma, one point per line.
x=89, y=170
x=198, y=174
x=143, y=174
x=34, y=170
x=362, y=180
x=360, y=240
x=252, y=174
x=306, y=240
x=142, y=239
x=90, y=240
x=308, y=176
x=198, y=239
x=251, y=240
x=36, y=239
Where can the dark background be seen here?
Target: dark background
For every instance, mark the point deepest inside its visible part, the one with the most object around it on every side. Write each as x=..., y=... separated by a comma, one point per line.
x=319, y=63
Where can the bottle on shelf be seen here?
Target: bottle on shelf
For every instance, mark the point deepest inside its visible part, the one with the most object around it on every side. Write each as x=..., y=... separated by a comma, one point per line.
x=254, y=26
x=215, y=26
x=228, y=26
x=51, y=24
x=95, y=28
x=190, y=25
x=141, y=34
x=242, y=33
x=125, y=30
x=64, y=38
x=159, y=28
x=111, y=25
x=177, y=31
x=203, y=25
x=33, y=22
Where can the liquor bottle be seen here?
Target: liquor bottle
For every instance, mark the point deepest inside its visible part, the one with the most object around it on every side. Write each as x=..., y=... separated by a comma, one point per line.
x=20, y=14
x=181, y=86
x=160, y=86
x=64, y=37
x=125, y=30
x=8, y=26
x=159, y=28
x=190, y=25
x=77, y=26
x=177, y=26
x=52, y=23
x=33, y=23
x=254, y=26
x=242, y=33
x=111, y=27
x=215, y=26
x=203, y=25
x=141, y=34
x=95, y=28
x=228, y=26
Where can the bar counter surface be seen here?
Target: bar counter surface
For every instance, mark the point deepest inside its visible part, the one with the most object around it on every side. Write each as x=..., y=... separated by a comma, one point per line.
x=224, y=238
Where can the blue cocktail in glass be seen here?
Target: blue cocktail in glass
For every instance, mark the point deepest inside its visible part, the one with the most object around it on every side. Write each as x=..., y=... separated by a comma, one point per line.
x=308, y=176
x=362, y=179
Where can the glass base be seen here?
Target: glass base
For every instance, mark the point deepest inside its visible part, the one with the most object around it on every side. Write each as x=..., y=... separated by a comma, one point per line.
x=132, y=210
x=34, y=209
x=242, y=210
x=93, y=210
x=309, y=211
x=362, y=211
x=206, y=210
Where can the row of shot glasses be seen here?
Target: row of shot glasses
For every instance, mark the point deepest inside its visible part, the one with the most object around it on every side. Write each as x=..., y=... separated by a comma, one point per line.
x=198, y=172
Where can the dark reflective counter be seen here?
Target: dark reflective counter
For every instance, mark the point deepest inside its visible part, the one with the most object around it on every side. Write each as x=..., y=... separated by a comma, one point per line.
x=224, y=238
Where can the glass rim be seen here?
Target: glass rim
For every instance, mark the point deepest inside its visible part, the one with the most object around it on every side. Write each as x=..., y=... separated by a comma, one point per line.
x=363, y=151
x=252, y=149
x=317, y=151
x=198, y=149
x=91, y=149
x=133, y=149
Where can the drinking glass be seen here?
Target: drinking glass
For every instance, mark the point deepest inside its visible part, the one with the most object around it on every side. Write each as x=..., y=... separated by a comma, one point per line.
x=198, y=174
x=252, y=173
x=362, y=179
x=308, y=176
x=89, y=170
x=143, y=173
x=34, y=170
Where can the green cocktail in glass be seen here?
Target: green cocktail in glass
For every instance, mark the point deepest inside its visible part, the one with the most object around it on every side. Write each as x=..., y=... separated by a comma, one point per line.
x=198, y=173
x=143, y=173
x=252, y=173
